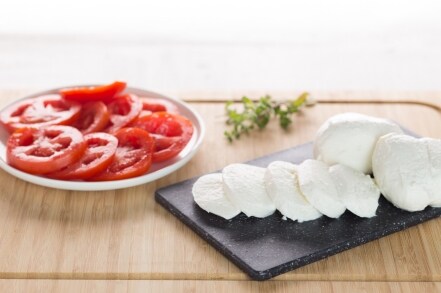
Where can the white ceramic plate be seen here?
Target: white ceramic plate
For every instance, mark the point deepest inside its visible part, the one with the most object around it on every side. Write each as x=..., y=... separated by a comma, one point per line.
x=157, y=170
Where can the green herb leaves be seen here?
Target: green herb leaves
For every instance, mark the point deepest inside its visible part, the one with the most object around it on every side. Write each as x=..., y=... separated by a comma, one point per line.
x=257, y=114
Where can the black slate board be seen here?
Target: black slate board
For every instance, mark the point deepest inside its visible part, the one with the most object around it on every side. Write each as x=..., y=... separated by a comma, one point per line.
x=265, y=248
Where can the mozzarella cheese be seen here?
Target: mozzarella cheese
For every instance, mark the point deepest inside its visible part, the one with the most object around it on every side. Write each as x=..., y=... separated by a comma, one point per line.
x=244, y=186
x=402, y=170
x=317, y=185
x=407, y=171
x=208, y=193
x=434, y=153
x=282, y=186
x=349, y=139
x=358, y=191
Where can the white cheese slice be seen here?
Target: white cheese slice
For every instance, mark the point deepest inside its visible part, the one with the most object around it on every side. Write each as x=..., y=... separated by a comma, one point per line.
x=434, y=153
x=208, y=193
x=349, y=139
x=358, y=191
x=317, y=185
x=244, y=186
x=282, y=186
x=401, y=168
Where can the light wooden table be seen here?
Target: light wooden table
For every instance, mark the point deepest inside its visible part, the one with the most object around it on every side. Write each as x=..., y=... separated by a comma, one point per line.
x=54, y=240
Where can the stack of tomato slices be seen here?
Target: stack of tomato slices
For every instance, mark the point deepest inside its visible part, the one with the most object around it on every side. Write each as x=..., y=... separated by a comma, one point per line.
x=93, y=133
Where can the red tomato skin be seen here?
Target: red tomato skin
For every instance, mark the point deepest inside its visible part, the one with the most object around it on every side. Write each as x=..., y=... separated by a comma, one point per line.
x=103, y=93
x=26, y=113
x=123, y=111
x=167, y=134
x=151, y=105
x=171, y=132
x=154, y=107
x=100, y=151
x=133, y=156
x=94, y=117
x=30, y=149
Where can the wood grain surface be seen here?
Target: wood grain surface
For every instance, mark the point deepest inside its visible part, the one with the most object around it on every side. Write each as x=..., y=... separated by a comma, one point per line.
x=125, y=235
x=98, y=286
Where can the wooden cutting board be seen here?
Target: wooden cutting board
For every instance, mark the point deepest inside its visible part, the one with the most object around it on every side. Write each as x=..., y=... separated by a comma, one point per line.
x=219, y=286
x=125, y=234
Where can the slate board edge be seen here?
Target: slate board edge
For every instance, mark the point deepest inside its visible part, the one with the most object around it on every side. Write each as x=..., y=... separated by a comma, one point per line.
x=289, y=266
x=292, y=265
x=212, y=241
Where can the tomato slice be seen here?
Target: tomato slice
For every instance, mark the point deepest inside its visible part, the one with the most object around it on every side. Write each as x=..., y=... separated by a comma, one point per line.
x=39, y=112
x=44, y=150
x=104, y=93
x=171, y=132
x=94, y=117
x=123, y=111
x=151, y=105
x=133, y=156
x=101, y=148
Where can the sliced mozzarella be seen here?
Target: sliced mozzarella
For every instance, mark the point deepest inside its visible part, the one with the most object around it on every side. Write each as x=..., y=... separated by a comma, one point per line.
x=208, y=193
x=244, y=186
x=358, y=191
x=434, y=153
x=349, y=139
x=317, y=186
x=282, y=186
x=401, y=168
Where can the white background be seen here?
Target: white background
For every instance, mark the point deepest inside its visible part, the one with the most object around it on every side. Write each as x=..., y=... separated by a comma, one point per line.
x=222, y=45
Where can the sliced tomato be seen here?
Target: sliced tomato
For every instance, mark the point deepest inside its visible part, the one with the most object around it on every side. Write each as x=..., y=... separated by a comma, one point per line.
x=123, y=111
x=151, y=105
x=44, y=150
x=94, y=117
x=133, y=156
x=171, y=132
x=104, y=93
x=40, y=112
x=101, y=148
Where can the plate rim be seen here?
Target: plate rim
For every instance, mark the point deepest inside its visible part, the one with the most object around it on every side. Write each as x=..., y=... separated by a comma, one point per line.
x=191, y=149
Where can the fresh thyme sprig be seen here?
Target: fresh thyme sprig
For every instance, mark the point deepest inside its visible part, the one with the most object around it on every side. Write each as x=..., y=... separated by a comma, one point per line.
x=257, y=114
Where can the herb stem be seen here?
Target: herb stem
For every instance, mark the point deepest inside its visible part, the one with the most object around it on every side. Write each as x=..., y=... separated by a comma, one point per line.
x=257, y=114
